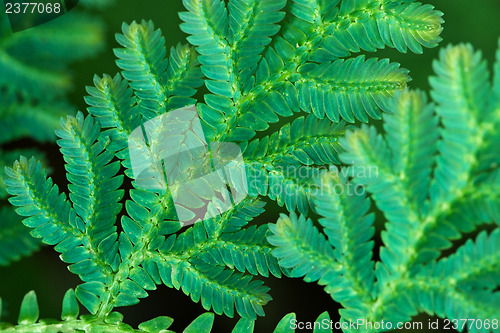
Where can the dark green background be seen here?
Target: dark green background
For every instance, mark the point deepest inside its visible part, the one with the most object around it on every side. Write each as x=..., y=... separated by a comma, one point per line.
x=475, y=22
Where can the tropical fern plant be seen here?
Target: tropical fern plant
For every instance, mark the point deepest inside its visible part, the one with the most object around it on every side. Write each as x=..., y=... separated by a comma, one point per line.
x=435, y=176
x=34, y=81
x=255, y=77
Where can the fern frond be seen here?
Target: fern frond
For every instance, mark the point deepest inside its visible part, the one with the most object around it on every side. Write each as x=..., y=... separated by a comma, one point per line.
x=240, y=108
x=366, y=25
x=183, y=77
x=464, y=283
x=145, y=227
x=281, y=165
x=481, y=205
x=241, y=215
x=94, y=185
x=399, y=24
x=368, y=152
x=429, y=181
x=412, y=135
x=349, y=229
x=207, y=23
x=160, y=84
x=339, y=90
x=143, y=61
x=265, y=100
x=245, y=250
x=306, y=141
x=251, y=24
x=112, y=102
x=302, y=248
x=283, y=183
x=460, y=90
x=8, y=157
x=56, y=222
x=216, y=287
x=39, y=200
x=474, y=265
x=15, y=239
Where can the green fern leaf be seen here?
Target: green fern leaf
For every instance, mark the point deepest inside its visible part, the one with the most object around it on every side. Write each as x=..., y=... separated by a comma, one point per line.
x=460, y=88
x=29, y=309
x=280, y=75
x=412, y=130
x=201, y=324
x=363, y=25
x=460, y=290
x=349, y=229
x=246, y=250
x=277, y=166
x=253, y=82
x=300, y=246
x=183, y=76
x=159, y=84
x=338, y=89
x=251, y=24
x=112, y=104
x=215, y=287
x=143, y=63
x=57, y=223
x=94, y=186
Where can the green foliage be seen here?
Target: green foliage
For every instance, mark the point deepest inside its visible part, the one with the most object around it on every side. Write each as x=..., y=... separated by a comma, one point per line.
x=249, y=93
x=35, y=78
x=254, y=77
x=112, y=323
x=435, y=176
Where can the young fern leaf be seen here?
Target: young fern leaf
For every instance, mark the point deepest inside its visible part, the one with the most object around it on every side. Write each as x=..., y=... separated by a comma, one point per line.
x=429, y=187
x=300, y=246
x=461, y=90
x=245, y=250
x=349, y=229
x=251, y=24
x=159, y=84
x=143, y=63
x=94, y=185
x=112, y=102
x=363, y=25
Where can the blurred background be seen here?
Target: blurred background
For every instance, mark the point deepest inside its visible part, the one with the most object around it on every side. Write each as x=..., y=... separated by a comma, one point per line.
x=475, y=22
